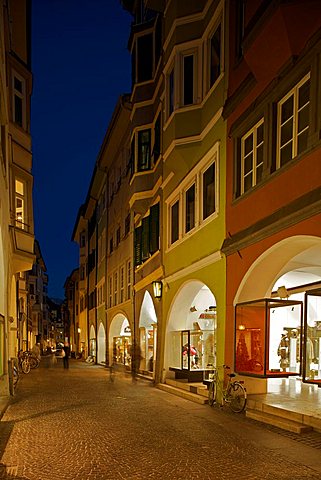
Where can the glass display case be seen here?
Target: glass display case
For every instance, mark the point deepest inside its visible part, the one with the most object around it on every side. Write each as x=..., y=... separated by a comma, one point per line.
x=121, y=349
x=312, y=336
x=192, y=349
x=268, y=337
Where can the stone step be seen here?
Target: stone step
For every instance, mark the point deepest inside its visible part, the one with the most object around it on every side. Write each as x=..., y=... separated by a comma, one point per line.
x=280, y=422
x=179, y=392
x=193, y=387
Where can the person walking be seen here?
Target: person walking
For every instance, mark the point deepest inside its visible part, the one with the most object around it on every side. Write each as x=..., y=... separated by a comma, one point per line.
x=66, y=349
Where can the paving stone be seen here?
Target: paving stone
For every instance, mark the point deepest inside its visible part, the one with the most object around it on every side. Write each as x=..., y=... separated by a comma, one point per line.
x=76, y=424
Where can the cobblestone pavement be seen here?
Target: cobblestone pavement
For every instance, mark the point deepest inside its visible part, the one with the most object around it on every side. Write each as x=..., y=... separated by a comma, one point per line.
x=76, y=424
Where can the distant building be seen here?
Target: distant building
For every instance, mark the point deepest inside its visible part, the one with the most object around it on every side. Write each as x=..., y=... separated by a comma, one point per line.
x=16, y=210
x=71, y=311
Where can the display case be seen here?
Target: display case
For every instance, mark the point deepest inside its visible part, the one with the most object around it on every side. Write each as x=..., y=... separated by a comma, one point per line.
x=268, y=338
x=121, y=350
x=312, y=336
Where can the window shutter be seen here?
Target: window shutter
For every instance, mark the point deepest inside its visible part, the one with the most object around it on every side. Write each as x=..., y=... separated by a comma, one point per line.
x=145, y=238
x=154, y=228
x=138, y=246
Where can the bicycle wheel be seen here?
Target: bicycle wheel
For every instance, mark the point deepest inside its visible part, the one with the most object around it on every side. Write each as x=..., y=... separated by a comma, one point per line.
x=34, y=362
x=236, y=397
x=212, y=393
x=15, y=375
x=25, y=366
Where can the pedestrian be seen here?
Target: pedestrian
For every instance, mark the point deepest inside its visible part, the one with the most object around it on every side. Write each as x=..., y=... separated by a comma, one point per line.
x=36, y=351
x=136, y=357
x=66, y=350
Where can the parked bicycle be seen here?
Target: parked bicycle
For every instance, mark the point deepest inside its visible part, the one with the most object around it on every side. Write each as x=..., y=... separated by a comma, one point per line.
x=23, y=362
x=233, y=393
x=33, y=360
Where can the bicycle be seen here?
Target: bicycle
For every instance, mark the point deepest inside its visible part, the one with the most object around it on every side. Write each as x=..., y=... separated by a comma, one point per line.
x=233, y=394
x=24, y=364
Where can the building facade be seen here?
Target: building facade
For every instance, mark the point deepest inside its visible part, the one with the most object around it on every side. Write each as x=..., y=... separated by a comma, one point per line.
x=212, y=241
x=16, y=211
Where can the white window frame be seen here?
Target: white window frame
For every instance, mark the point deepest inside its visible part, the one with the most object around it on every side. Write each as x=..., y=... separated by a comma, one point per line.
x=20, y=212
x=194, y=176
x=294, y=140
x=255, y=165
x=196, y=209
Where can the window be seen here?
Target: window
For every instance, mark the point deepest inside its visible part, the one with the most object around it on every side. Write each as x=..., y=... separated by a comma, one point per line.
x=144, y=150
x=252, y=157
x=111, y=245
x=82, y=239
x=115, y=288
x=215, y=55
x=146, y=236
x=122, y=284
x=208, y=187
x=127, y=224
x=175, y=222
x=117, y=236
x=157, y=139
x=293, y=122
x=128, y=280
x=190, y=208
x=110, y=292
x=188, y=79
x=144, y=58
x=20, y=203
x=19, y=100
x=171, y=92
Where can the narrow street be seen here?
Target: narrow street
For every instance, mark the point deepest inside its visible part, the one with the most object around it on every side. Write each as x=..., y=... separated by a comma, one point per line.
x=76, y=424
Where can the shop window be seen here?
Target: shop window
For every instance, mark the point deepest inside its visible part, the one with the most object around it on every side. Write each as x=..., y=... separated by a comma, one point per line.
x=293, y=122
x=215, y=55
x=209, y=191
x=190, y=208
x=312, y=335
x=252, y=157
x=268, y=336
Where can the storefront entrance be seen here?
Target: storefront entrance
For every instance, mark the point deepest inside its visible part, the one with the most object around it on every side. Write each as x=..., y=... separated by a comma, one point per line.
x=191, y=332
x=280, y=335
x=120, y=341
x=148, y=334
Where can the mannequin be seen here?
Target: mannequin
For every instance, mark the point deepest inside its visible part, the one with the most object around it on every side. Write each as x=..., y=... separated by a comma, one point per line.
x=284, y=351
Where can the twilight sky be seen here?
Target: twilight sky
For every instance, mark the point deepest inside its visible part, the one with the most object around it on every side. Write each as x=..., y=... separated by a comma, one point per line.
x=80, y=65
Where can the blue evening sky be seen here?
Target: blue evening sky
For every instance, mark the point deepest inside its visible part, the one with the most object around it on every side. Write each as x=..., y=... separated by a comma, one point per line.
x=80, y=65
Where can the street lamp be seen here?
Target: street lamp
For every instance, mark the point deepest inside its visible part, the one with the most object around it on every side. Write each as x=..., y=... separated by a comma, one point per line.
x=157, y=289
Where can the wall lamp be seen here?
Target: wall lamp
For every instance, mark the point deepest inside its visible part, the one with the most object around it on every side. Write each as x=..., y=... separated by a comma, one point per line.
x=157, y=289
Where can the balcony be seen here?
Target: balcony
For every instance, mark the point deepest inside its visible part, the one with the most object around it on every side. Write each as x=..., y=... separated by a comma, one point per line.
x=22, y=248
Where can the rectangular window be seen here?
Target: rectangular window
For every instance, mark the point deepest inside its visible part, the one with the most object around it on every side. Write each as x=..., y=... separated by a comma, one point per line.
x=20, y=204
x=110, y=292
x=252, y=157
x=111, y=245
x=171, y=92
x=115, y=288
x=293, y=122
x=215, y=55
x=118, y=236
x=175, y=222
x=154, y=229
x=19, y=101
x=144, y=58
x=190, y=208
x=127, y=224
x=144, y=150
x=208, y=187
x=128, y=280
x=157, y=139
x=122, y=284
x=188, y=80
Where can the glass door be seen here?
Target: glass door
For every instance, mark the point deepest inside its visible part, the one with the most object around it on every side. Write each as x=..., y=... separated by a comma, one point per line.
x=312, y=338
